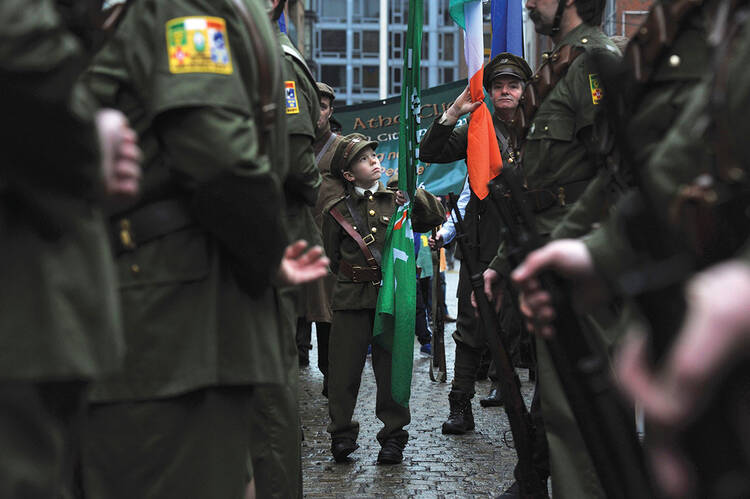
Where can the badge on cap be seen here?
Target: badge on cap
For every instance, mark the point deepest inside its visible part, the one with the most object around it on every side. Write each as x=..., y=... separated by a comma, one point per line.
x=597, y=92
x=290, y=95
x=198, y=45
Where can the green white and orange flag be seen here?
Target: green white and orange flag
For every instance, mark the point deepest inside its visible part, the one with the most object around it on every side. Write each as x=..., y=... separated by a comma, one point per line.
x=397, y=300
x=483, y=158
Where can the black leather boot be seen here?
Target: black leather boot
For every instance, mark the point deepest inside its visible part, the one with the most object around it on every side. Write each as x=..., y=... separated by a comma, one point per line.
x=493, y=399
x=461, y=419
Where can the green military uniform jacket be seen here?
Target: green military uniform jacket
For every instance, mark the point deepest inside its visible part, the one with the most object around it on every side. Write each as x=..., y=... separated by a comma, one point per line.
x=302, y=108
x=376, y=209
x=59, y=319
x=446, y=144
x=196, y=313
x=661, y=100
x=557, y=155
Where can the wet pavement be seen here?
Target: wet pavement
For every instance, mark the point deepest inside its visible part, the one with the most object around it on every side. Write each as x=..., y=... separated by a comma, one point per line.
x=478, y=464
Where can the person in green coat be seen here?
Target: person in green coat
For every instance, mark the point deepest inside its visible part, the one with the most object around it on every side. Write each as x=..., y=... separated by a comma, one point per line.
x=557, y=163
x=276, y=448
x=365, y=211
x=201, y=83
x=60, y=325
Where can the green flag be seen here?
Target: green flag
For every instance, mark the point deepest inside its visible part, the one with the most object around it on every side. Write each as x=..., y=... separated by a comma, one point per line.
x=397, y=301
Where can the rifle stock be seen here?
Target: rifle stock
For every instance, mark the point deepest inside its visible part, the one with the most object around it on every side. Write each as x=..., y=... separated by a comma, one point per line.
x=531, y=484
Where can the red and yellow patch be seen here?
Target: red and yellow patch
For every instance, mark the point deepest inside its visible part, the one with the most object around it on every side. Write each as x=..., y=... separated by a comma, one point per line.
x=597, y=92
x=198, y=45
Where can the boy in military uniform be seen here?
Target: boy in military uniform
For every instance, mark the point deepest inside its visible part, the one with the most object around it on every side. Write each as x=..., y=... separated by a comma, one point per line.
x=354, y=231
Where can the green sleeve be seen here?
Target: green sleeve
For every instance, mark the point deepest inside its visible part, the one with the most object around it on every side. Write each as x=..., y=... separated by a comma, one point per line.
x=590, y=208
x=50, y=117
x=428, y=212
x=235, y=193
x=332, y=241
x=500, y=263
x=303, y=180
x=443, y=143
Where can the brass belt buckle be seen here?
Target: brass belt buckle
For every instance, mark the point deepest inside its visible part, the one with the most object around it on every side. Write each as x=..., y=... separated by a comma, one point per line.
x=369, y=239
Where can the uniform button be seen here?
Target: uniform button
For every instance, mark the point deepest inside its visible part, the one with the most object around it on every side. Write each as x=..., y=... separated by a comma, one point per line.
x=354, y=227
x=674, y=60
x=584, y=40
x=644, y=31
x=371, y=198
x=135, y=268
x=372, y=213
x=374, y=230
x=546, y=128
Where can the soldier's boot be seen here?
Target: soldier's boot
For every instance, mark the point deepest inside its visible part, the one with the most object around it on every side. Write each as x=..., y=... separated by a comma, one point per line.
x=461, y=419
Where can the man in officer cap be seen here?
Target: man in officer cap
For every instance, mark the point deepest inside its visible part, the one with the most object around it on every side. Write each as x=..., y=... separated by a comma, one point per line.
x=505, y=77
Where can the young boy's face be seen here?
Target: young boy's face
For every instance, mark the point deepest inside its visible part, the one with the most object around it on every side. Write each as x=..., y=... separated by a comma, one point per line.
x=365, y=169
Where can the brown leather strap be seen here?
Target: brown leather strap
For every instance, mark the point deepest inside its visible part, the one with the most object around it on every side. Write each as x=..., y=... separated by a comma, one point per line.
x=355, y=235
x=360, y=274
x=544, y=80
x=268, y=75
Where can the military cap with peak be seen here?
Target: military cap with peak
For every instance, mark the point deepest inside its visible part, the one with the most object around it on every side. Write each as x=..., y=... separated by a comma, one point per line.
x=347, y=151
x=326, y=90
x=506, y=64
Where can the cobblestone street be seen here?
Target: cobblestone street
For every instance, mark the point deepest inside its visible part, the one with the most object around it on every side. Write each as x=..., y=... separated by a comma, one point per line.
x=478, y=464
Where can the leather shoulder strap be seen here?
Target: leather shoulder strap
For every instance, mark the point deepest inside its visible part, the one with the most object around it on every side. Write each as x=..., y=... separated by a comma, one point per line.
x=336, y=214
x=549, y=74
x=268, y=74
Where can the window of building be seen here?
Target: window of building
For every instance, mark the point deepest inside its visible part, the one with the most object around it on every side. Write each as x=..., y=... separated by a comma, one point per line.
x=447, y=75
x=335, y=76
x=396, y=46
x=447, y=48
x=333, y=41
x=370, y=78
x=370, y=43
x=333, y=9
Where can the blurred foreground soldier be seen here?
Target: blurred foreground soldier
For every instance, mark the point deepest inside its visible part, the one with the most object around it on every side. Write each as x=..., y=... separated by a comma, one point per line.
x=505, y=77
x=319, y=292
x=60, y=324
x=697, y=195
x=200, y=82
x=276, y=446
x=354, y=231
x=558, y=163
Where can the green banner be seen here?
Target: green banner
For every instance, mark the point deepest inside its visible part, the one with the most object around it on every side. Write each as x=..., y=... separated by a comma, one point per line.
x=379, y=120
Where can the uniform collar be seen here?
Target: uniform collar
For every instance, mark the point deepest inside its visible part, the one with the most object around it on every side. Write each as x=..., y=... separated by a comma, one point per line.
x=575, y=35
x=364, y=192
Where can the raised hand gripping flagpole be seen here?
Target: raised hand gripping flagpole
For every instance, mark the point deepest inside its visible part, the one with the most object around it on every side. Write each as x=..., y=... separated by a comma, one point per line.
x=397, y=300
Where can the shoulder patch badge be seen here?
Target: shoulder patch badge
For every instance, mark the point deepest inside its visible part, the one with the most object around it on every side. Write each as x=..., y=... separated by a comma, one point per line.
x=597, y=92
x=290, y=95
x=198, y=45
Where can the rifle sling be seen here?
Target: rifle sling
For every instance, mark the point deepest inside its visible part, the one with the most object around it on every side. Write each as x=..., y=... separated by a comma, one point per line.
x=268, y=76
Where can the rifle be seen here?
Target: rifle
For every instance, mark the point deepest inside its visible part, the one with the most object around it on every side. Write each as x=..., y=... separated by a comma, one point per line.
x=531, y=484
x=603, y=418
x=437, y=363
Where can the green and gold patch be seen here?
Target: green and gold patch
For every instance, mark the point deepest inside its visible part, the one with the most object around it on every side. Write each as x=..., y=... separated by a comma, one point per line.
x=198, y=45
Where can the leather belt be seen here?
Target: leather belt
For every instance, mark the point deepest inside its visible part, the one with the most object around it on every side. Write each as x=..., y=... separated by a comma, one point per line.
x=361, y=274
x=135, y=228
x=540, y=200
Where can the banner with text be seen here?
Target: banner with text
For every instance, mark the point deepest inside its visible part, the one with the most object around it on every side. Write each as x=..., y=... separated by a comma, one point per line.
x=379, y=120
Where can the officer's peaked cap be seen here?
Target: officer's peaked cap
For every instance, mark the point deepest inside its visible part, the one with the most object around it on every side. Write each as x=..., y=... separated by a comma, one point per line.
x=348, y=150
x=506, y=64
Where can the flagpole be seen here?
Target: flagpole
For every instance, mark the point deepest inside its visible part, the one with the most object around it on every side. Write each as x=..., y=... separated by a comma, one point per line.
x=383, y=49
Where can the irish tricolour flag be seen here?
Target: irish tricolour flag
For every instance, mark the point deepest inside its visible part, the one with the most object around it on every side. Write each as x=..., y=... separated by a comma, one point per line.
x=482, y=153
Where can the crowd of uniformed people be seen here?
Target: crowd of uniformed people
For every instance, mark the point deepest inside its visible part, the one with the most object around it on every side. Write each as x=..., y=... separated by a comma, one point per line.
x=176, y=213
